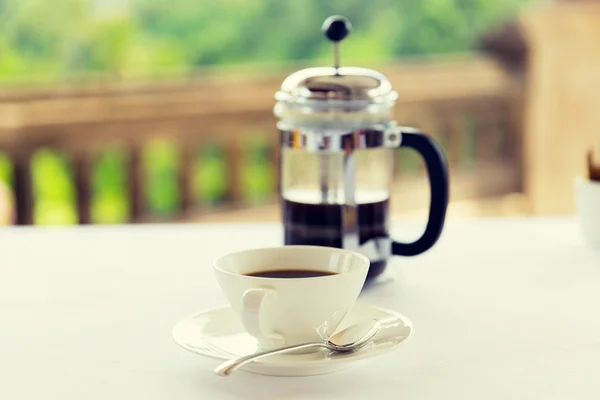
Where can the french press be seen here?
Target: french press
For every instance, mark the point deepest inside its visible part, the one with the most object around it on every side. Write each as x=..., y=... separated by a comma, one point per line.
x=336, y=158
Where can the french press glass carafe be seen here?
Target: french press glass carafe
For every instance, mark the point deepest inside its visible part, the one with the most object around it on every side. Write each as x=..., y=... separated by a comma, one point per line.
x=337, y=146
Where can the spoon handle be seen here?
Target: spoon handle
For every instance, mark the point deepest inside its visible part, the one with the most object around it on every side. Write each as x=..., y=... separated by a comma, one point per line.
x=227, y=367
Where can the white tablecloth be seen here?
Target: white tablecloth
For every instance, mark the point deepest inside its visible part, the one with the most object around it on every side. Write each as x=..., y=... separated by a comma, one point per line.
x=503, y=309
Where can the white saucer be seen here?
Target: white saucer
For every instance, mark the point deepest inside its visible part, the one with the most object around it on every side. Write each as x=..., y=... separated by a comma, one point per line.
x=219, y=334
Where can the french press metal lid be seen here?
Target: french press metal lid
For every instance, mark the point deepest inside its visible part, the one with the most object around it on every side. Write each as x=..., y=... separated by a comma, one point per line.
x=335, y=97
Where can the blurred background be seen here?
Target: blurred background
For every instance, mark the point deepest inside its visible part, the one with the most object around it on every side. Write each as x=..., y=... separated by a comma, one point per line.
x=121, y=111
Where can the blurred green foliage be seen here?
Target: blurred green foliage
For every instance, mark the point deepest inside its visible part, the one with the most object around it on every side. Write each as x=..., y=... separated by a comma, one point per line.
x=210, y=175
x=258, y=178
x=6, y=170
x=110, y=203
x=161, y=166
x=53, y=189
x=64, y=39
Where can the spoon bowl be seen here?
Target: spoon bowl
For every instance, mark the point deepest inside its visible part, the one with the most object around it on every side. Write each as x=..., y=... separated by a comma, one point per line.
x=355, y=336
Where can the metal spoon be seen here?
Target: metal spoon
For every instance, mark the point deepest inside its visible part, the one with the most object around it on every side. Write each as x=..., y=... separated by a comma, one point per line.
x=352, y=338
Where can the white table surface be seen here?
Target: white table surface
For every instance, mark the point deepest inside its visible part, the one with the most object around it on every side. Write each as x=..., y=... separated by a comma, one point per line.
x=503, y=309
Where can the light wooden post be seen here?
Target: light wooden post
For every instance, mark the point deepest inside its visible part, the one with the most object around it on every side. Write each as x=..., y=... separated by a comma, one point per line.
x=562, y=115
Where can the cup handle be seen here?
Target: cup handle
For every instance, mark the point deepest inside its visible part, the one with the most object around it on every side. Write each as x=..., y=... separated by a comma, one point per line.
x=437, y=170
x=252, y=303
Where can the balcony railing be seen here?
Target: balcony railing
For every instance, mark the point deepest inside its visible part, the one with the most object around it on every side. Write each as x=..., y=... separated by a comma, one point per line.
x=469, y=104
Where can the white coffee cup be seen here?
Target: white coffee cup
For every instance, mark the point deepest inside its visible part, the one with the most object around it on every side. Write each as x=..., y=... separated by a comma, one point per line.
x=587, y=203
x=286, y=311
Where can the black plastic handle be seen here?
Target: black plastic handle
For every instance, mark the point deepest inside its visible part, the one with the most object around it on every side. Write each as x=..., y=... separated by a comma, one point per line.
x=437, y=170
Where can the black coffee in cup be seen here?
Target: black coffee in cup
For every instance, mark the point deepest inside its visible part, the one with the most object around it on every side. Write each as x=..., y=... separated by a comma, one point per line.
x=291, y=273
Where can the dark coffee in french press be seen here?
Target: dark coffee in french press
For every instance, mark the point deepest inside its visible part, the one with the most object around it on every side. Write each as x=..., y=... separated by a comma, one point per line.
x=309, y=223
x=337, y=147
